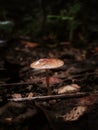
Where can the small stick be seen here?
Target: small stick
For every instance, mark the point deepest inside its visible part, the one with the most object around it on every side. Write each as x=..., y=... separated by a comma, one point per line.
x=16, y=84
x=51, y=97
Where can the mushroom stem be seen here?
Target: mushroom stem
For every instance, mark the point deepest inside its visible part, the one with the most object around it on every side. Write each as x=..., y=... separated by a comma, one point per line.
x=47, y=82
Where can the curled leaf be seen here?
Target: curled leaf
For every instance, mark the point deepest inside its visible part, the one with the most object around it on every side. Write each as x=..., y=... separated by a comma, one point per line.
x=69, y=89
x=75, y=113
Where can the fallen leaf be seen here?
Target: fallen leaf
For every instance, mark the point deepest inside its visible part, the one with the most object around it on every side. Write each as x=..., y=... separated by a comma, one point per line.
x=16, y=95
x=29, y=44
x=68, y=89
x=30, y=95
x=52, y=80
x=89, y=100
x=8, y=120
x=75, y=113
x=96, y=49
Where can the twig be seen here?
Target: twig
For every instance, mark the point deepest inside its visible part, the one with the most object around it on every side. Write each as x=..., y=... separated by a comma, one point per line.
x=50, y=97
x=16, y=84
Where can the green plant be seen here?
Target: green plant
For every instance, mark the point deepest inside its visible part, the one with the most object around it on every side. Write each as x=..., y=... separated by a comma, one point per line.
x=70, y=16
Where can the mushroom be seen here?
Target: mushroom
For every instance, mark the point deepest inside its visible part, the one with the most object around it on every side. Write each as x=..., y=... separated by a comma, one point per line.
x=47, y=63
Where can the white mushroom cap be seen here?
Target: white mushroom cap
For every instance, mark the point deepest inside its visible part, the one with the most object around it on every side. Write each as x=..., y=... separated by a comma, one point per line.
x=46, y=63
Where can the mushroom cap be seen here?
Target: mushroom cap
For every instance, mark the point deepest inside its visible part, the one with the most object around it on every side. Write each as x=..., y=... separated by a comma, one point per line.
x=46, y=63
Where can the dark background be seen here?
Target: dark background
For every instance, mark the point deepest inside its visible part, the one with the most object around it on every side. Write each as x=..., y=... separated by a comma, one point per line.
x=30, y=18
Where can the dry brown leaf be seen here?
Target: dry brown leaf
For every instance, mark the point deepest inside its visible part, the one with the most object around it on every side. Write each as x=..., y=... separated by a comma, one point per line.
x=75, y=113
x=29, y=44
x=96, y=49
x=89, y=100
x=16, y=95
x=30, y=95
x=8, y=120
x=68, y=89
x=52, y=80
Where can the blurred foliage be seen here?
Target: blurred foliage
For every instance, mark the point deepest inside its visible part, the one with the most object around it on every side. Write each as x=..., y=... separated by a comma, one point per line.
x=6, y=26
x=68, y=20
x=69, y=16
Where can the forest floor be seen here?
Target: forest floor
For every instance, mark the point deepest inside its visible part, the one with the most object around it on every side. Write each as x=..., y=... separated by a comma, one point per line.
x=24, y=101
